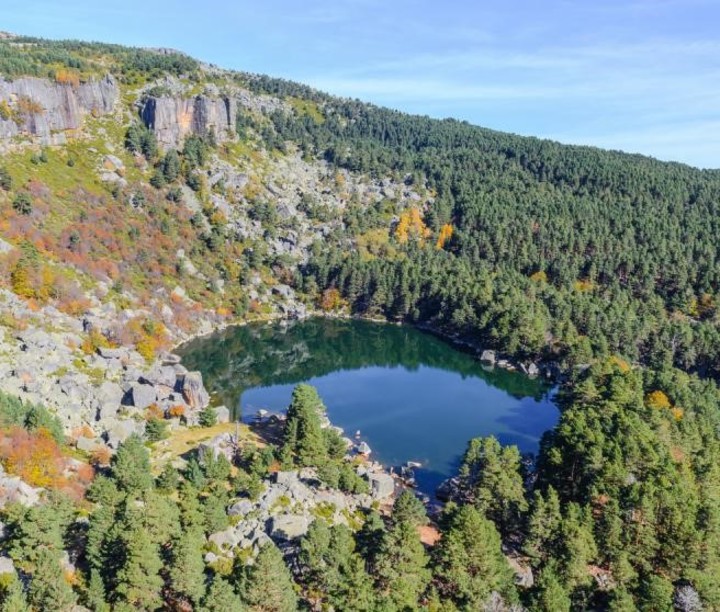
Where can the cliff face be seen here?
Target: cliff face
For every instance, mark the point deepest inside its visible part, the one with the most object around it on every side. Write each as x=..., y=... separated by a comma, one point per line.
x=174, y=118
x=40, y=108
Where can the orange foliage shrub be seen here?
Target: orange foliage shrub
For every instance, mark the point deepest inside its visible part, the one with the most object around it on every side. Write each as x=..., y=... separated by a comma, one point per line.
x=28, y=106
x=100, y=457
x=176, y=411
x=330, y=300
x=65, y=76
x=154, y=412
x=35, y=457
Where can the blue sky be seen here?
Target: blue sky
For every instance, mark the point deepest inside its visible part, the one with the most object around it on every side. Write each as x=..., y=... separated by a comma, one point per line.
x=637, y=75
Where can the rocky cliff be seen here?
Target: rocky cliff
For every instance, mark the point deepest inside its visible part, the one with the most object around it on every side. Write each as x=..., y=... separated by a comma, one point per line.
x=42, y=108
x=173, y=118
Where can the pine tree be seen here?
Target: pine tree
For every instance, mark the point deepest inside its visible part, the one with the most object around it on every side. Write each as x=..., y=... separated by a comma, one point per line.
x=370, y=539
x=187, y=570
x=401, y=567
x=269, y=586
x=578, y=546
x=549, y=594
x=139, y=580
x=131, y=467
x=408, y=508
x=490, y=477
x=95, y=597
x=48, y=589
x=304, y=440
x=14, y=599
x=334, y=570
x=469, y=560
x=221, y=597
x=168, y=480
x=543, y=530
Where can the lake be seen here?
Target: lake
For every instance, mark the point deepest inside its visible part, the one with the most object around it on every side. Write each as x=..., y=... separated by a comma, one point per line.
x=413, y=396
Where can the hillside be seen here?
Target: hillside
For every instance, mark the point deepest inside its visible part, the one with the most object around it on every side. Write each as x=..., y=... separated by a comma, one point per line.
x=147, y=198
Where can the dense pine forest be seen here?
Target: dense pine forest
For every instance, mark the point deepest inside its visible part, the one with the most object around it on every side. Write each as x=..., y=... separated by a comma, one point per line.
x=602, y=264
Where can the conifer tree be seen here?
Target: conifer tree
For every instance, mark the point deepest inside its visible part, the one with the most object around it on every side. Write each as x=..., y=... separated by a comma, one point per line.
x=139, y=580
x=304, y=440
x=131, y=467
x=221, y=597
x=268, y=586
x=469, y=560
x=187, y=569
x=491, y=479
x=549, y=594
x=48, y=588
x=14, y=599
x=401, y=568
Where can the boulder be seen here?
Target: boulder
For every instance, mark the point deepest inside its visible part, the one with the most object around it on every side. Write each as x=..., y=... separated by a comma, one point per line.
x=112, y=353
x=222, y=414
x=289, y=526
x=488, y=356
x=241, y=508
x=13, y=489
x=381, y=485
x=6, y=565
x=194, y=391
x=142, y=396
x=225, y=540
x=120, y=430
x=87, y=445
x=5, y=247
x=686, y=598
x=162, y=375
x=532, y=370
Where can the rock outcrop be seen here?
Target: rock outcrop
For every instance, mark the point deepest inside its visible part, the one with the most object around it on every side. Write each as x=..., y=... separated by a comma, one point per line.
x=44, y=109
x=174, y=118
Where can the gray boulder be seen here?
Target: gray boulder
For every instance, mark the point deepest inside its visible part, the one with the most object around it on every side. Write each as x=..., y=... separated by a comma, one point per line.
x=142, y=396
x=381, y=485
x=241, y=508
x=488, y=357
x=7, y=566
x=289, y=526
x=87, y=445
x=121, y=430
x=223, y=414
x=194, y=391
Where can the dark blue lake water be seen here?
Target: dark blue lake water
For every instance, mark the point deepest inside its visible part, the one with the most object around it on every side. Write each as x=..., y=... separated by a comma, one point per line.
x=412, y=396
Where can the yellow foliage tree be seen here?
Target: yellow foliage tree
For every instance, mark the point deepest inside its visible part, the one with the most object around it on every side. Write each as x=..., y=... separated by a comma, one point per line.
x=539, y=277
x=411, y=225
x=658, y=399
x=446, y=232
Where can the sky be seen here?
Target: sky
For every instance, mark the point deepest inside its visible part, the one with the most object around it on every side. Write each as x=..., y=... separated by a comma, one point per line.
x=638, y=75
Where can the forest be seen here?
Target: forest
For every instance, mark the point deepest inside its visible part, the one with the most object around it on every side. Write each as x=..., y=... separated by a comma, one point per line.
x=621, y=513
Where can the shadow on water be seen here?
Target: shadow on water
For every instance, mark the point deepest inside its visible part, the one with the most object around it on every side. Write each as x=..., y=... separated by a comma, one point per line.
x=414, y=396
